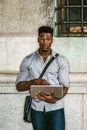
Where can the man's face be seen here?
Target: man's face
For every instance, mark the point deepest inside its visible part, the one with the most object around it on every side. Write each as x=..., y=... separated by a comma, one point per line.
x=45, y=40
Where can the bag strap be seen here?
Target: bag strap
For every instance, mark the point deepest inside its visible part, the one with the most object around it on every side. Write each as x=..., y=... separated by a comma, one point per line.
x=47, y=65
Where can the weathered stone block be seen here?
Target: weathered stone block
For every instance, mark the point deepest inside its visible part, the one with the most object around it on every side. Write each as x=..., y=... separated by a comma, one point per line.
x=85, y=112
x=23, y=17
x=11, y=112
x=73, y=111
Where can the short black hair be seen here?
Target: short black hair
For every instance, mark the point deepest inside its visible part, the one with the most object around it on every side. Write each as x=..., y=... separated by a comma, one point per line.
x=45, y=29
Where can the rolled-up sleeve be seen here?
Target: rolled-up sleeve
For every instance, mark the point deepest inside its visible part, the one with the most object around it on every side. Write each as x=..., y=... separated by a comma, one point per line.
x=64, y=72
x=24, y=72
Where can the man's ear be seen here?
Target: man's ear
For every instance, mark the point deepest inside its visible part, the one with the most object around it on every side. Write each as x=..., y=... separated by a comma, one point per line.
x=52, y=41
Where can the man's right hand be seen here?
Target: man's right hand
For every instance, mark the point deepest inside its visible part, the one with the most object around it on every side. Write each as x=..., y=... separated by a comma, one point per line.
x=41, y=82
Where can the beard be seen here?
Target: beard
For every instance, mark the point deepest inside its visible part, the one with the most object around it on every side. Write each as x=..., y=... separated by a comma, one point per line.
x=45, y=50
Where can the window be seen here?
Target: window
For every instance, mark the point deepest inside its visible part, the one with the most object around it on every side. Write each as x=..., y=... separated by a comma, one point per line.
x=70, y=18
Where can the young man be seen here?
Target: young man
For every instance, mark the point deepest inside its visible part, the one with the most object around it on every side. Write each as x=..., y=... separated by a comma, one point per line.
x=47, y=111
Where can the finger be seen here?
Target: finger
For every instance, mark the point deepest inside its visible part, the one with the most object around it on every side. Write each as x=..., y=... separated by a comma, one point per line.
x=52, y=93
x=36, y=95
x=40, y=96
x=41, y=93
x=45, y=82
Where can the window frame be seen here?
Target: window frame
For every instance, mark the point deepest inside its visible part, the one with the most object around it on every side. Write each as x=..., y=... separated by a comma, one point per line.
x=64, y=26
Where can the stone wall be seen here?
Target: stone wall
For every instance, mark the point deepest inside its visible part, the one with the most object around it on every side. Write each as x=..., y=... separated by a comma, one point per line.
x=21, y=17
x=12, y=102
x=12, y=51
x=15, y=48
x=19, y=21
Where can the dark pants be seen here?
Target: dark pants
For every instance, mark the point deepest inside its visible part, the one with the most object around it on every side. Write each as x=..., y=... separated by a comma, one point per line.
x=53, y=120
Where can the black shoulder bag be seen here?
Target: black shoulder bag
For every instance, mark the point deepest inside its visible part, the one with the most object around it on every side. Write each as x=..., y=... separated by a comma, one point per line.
x=28, y=99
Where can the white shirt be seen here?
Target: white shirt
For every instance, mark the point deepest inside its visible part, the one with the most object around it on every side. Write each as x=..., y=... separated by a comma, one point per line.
x=57, y=73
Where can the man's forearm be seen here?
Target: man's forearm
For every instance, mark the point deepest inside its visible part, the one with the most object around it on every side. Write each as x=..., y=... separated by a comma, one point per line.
x=24, y=85
x=65, y=89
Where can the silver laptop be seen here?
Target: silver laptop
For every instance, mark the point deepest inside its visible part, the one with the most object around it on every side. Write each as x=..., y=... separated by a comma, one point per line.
x=47, y=89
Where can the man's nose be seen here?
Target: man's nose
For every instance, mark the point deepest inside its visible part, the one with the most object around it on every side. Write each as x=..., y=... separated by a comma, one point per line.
x=45, y=41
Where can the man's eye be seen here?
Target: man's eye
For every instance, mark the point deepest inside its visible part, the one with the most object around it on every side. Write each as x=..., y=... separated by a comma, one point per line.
x=48, y=39
x=45, y=39
x=41, y=39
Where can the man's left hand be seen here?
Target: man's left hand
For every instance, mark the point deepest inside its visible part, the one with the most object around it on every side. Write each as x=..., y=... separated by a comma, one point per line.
x=48, y=98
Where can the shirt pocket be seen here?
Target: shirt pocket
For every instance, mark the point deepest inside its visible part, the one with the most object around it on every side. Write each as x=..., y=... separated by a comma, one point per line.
x=53, y=69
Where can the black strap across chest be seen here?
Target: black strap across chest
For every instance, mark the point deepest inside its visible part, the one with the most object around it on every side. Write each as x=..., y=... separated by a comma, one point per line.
x=49, y=62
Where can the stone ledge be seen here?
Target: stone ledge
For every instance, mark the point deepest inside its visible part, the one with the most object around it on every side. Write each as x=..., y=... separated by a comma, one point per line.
x=74, y=89
x=78, y=77
x=78, y=84
x=8, y=78
x=74, y=77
